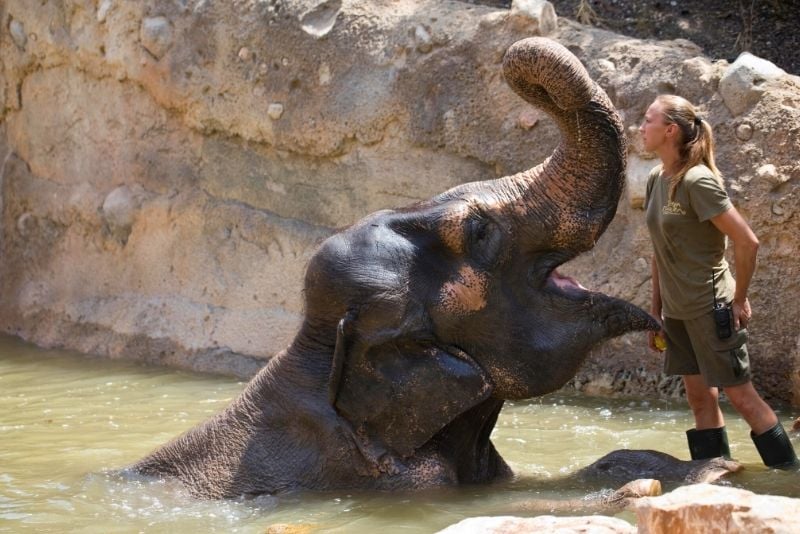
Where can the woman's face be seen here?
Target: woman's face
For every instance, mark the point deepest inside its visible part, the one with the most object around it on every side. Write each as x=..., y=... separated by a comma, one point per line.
x=654, y=129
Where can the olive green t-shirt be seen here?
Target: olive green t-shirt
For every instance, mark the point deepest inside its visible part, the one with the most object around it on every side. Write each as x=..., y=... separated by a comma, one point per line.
x=688, y=247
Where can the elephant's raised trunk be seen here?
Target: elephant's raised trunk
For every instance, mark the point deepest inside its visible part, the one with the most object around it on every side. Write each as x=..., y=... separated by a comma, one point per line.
x=572, y=196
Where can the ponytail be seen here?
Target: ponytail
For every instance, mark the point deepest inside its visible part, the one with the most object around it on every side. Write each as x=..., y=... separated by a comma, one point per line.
x=696, y=143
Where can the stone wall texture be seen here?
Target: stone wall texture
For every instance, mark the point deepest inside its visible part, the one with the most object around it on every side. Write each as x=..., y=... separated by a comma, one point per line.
x=167, y=168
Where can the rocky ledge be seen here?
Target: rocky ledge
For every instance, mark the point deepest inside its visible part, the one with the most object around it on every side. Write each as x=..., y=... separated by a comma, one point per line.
x=167, y=168
x=695, y=508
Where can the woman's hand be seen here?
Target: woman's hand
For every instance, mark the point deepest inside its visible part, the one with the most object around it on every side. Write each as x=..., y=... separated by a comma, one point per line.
x=741, y=314
x=656, y=345
x=660, y=345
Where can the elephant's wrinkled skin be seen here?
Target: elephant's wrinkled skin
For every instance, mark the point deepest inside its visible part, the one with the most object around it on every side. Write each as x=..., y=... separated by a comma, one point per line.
x=624, y=465
x=421, y=321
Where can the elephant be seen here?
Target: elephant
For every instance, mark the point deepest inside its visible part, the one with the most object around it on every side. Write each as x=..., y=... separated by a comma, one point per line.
x=420, y=322
x=621, y=466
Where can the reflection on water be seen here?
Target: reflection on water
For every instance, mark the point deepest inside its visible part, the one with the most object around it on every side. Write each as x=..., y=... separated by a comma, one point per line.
x=67, y=421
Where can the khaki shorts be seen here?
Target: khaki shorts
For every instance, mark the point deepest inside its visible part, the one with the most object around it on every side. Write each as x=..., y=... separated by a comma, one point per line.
x=693, y=348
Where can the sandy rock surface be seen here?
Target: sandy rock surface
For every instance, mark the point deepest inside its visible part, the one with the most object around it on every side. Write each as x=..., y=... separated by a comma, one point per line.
x=168, y=168
x=708, y=508
x=542, y=524
x=688, y=509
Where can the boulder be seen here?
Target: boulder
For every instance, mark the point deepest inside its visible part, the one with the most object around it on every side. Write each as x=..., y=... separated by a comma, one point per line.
x=18, y=35
x=538, y=13
x=743, y=82
x=156, y=35
x=709, y=508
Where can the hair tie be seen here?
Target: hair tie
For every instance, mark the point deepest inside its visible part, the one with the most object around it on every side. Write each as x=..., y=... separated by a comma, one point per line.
x=698, y=120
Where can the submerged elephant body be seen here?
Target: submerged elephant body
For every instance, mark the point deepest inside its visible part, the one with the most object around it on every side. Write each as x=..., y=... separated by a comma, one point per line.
x=622, y=466
x=421, y=321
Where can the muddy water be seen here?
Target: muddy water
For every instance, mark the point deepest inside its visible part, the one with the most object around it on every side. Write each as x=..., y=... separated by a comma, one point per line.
x=66, y=421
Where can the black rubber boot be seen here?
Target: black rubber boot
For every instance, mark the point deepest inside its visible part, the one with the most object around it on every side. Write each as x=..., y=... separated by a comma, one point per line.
x=708, y=443
x=775, y=448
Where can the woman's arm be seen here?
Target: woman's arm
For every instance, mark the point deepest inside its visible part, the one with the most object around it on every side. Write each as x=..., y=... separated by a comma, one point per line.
x=745, y=252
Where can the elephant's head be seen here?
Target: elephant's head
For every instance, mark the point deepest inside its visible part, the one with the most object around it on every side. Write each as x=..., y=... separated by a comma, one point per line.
x=457, y=299
x=422, y=321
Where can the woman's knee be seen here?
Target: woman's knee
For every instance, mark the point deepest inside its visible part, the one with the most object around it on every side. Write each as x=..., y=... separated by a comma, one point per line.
x=699, y=394
x=702, y=401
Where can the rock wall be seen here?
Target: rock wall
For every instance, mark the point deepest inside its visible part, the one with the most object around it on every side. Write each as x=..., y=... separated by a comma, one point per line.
x=169, y=167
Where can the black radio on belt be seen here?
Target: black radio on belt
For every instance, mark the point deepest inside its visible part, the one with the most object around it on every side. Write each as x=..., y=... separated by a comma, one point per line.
x=722, y=320
x=723, y=316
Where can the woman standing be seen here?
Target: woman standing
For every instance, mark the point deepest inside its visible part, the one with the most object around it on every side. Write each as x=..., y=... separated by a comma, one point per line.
x=689, y=216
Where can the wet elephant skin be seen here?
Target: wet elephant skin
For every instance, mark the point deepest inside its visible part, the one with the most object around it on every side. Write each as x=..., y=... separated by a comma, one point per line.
x=420, y=322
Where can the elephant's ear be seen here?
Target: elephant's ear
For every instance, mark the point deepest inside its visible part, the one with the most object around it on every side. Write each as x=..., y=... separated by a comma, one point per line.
x=398, y=394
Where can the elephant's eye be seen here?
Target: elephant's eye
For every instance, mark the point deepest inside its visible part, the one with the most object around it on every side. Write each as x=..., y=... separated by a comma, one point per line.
x=484, y=239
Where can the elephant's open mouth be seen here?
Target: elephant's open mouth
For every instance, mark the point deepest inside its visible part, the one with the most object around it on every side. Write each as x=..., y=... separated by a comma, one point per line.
x=565, y=286
x=618, y=315
x=563, y=282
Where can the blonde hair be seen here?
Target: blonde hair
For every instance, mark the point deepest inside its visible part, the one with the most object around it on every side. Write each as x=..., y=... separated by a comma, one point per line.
x=696, y=142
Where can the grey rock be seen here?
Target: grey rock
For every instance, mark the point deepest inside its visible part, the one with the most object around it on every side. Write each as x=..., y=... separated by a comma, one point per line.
x=741, y=85
x=18, y=35
x=744, y=132
x=319, y=21
x=769, y=172
x=25, y=223
x=423, y=39
x=103, y=9
x=540, y=11
x=119, y=211
x=275, y=111
x=156, y=36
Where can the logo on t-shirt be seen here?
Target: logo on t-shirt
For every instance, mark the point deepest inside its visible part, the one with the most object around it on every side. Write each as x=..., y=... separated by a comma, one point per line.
x=673, y=208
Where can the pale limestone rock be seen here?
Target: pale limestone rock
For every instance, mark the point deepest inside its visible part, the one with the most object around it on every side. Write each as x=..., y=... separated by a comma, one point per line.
x=637, y=172
x=320, y=20
x=777, y=209
x=527, y=119
x=26, y=223
x=103, y=9
x=156, y=36
x=119, y=210
x=119, y=207
x=422, y=39
x=744, y=132
x=767, y=171
x=607, y=65
x=539, y=11
x=18, y=35
x=741, y=85
x=771, y=174
x=275, y=111
x=324, y=74
x=707, y=508
x=698, y=75
x=597, y=524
